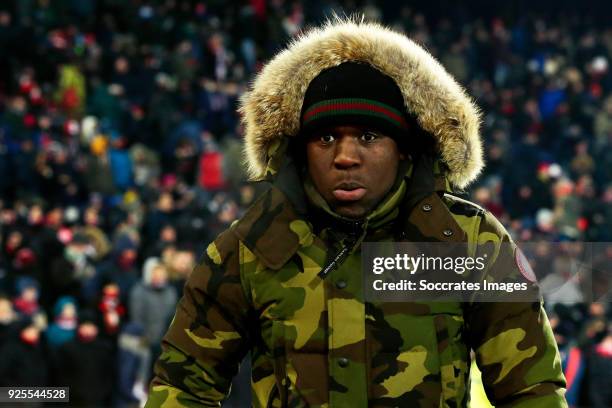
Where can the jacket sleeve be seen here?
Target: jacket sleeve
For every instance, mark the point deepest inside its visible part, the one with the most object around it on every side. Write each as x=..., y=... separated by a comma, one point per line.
x=207, y=337
x=513, y=341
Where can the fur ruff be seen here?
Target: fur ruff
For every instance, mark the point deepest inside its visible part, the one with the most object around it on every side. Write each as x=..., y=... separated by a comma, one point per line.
x=271, y=108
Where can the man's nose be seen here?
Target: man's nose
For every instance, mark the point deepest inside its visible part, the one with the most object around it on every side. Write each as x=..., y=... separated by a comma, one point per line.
x=347, y=153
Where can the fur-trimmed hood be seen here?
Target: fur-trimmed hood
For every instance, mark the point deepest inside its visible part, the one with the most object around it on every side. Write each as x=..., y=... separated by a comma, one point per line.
x=271, y=108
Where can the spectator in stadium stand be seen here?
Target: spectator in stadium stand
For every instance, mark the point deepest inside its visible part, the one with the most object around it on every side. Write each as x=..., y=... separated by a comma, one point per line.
x=65, y=321
x=133, y=363
x=572, y=358
x=25, y=264
x=24, y=357
x=152, y=302
x=95, y=234
x=69, y=272
x=8, y=319
x=98, y=175
x=121, y=163
x=85, y=360
x=225, y=211
x=180, y=266
x=112, y=310
x=167, y=236
x=28, y=292
x=120, y=267
x=13, y=241
x=594, y=326
x=162, y=213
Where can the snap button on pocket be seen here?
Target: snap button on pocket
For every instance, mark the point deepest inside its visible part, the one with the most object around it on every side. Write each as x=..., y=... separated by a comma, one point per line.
x=343, y=362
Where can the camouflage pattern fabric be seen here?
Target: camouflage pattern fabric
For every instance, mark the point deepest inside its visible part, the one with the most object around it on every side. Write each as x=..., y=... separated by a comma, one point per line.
x=266, y=284
x=316, y=342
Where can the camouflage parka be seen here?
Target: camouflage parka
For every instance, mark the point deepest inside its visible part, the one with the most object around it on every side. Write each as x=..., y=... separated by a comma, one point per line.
x=314, y=340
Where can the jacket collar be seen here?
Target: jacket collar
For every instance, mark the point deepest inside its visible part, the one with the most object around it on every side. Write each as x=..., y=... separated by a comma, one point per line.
x=268, y=229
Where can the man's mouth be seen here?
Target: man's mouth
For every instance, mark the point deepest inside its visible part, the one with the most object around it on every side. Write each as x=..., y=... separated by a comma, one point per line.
x=349, y=192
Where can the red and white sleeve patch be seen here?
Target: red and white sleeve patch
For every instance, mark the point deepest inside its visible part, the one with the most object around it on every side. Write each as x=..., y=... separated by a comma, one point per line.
x=523, y=265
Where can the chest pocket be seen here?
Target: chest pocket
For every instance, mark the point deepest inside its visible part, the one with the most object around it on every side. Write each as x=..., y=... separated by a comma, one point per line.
x=416, y=353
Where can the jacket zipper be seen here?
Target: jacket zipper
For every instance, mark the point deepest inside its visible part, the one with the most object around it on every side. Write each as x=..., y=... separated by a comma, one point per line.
x=340, y=256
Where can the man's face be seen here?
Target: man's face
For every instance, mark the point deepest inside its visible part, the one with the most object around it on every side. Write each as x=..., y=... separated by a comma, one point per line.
x=352, y=167
x=159, y=277
x=30, y=294
x=68, y=311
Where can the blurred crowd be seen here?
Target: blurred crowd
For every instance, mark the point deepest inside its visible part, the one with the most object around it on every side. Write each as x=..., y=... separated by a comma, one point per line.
x=120, y=159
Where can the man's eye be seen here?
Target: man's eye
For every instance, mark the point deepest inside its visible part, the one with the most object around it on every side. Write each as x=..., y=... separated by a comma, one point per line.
x=369, y=136
x=327, y=138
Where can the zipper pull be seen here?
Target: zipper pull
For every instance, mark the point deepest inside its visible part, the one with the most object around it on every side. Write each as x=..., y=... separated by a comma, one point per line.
x=357, y=228
x=337, y=261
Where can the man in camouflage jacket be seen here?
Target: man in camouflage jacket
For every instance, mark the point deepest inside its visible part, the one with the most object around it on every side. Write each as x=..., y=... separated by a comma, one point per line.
x=285, y=283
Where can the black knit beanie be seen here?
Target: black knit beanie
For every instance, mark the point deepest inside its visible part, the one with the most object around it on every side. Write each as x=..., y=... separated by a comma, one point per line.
x=355, y=93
